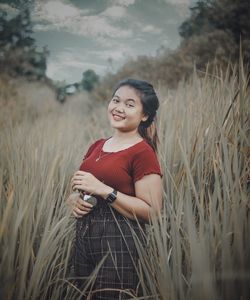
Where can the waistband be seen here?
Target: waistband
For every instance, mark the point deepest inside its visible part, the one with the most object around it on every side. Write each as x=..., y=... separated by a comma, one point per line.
x=104, y=212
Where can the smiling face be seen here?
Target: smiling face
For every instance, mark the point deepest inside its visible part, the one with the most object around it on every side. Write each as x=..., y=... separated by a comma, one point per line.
x=125, y=110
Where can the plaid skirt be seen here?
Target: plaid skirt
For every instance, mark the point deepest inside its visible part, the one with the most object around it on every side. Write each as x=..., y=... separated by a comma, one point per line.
x=105, y=251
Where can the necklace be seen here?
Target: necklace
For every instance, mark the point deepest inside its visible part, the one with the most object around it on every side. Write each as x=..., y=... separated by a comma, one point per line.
x=101, y=156
x=107, y=153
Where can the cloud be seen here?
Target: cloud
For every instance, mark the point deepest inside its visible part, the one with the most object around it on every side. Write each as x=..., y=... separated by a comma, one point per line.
x=178, y=2
x=91, y=26
x=151, y=29
x=63, y=16
x=69, y=65
x=73, y=58
x=124, y=2
x=55, y=11
x=56, y=71
x=119, y=54
x=182, y=6
x=115, y=12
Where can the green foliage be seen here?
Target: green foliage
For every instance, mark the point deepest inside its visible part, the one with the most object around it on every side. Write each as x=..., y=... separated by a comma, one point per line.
x=198, y=22
x=209, y=15
x=89, y=80
x=20, y=4
x=17, y=48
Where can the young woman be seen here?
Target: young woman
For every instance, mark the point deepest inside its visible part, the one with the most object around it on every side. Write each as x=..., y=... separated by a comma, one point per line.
x=124, y=175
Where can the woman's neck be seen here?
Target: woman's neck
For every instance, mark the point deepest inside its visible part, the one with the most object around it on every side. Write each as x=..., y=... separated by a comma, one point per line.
x=120, y=141
x=126, y=136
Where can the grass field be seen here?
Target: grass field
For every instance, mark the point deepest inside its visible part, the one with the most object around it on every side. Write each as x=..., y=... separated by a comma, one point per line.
x=198, y=249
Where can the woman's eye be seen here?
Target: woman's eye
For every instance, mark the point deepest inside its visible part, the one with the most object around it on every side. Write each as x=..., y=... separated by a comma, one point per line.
x=115, y=100
x=130, y=105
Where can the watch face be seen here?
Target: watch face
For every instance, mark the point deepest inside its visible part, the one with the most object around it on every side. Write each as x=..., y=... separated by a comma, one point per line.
x=111, y=197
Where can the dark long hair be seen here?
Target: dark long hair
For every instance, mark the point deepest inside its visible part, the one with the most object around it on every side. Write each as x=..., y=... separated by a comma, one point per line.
x=147, y=129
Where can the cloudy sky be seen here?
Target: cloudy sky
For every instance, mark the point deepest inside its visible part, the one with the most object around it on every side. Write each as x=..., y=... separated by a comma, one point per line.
x=103, y=34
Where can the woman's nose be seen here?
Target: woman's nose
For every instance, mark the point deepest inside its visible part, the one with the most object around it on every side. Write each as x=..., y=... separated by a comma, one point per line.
x=119, y=108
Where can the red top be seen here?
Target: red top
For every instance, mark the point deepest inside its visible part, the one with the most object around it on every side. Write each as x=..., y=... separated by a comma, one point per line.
x=121, y=169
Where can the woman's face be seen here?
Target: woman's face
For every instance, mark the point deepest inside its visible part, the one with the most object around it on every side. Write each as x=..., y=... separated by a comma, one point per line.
x=125, y=110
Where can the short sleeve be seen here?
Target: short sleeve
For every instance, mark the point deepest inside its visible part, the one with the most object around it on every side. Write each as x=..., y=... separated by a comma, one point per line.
x=144, y=163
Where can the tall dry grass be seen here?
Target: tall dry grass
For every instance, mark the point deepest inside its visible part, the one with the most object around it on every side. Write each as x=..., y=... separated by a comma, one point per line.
x=197, y=249
x=38, y=154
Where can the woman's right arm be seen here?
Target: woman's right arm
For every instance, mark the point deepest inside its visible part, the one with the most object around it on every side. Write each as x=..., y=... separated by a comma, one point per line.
x=78, y=206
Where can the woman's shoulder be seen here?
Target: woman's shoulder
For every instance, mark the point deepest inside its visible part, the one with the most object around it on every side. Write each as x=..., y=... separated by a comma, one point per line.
x=99, y=141
x=142, y=151
x=144, y=161
x=143, y=146
x=93, y=144
x=96, y=144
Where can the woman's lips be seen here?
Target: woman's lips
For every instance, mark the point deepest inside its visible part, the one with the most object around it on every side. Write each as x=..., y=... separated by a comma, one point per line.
x=117, y=117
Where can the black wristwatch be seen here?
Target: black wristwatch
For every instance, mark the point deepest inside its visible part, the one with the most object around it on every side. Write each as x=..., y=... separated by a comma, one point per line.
x=111, y=197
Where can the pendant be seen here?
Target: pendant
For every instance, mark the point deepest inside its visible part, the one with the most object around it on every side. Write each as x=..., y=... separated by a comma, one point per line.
x=101, y=156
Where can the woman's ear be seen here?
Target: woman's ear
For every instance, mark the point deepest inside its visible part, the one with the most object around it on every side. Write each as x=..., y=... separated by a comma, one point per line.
x=144, y=118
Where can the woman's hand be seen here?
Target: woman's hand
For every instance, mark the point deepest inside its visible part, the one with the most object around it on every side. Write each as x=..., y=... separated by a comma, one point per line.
x=79, y=207
x=88, y=183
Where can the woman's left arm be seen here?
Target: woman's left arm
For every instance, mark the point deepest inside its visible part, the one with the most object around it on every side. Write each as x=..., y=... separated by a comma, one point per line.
x=148, y=192
x=148, y=199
